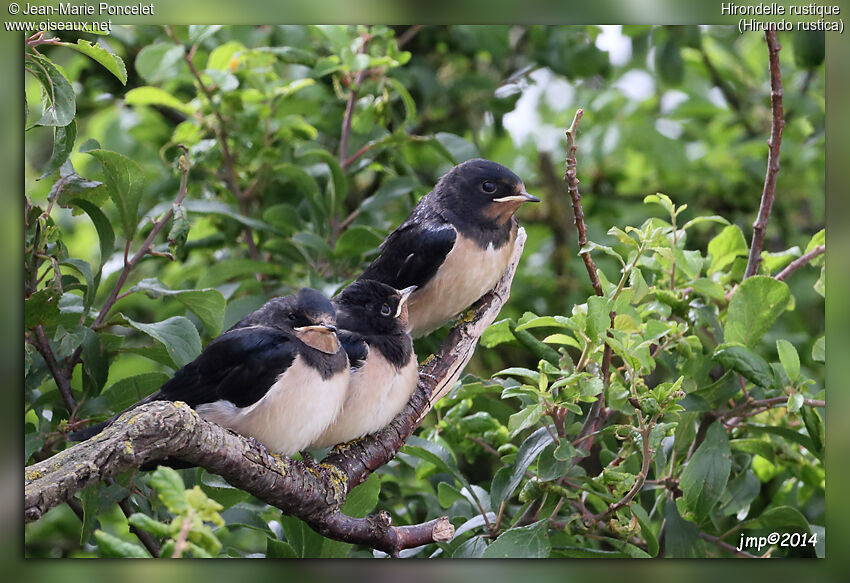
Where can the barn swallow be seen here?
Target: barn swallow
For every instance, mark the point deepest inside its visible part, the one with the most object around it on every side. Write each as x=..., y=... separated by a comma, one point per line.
x=455, y=244
x=279, y=375
x=372, y=318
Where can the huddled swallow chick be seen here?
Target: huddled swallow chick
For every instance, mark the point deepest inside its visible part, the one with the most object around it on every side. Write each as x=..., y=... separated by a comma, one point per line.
x=455, y=244
x=279, y=375
x=372, y=318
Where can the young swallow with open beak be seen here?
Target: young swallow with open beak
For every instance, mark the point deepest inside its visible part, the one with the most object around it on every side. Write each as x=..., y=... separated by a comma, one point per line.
x=372, y=318
x=456, y=243
x=279, y=375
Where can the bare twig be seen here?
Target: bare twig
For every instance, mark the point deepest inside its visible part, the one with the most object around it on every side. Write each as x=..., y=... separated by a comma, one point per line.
x=164, y=430
x=776, y=126
x=572, y=185
x=408, y=34
x=726, y=546
x=800, y=262
x=596, y=414
x=220, y=130
x=61, y=375
x=349, y=112
x=144, y=537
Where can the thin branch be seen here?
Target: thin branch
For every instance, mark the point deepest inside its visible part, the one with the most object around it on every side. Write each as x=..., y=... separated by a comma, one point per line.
x=800, y=262
x=776, y=126
x=572, y=186
x=349, y=112
x=164, y=430
x=726, y=546
x=596, y=415
x=220, y=131
x=408, y=34
x=61, y=375
x=144, y=537
x=639, y=480
x=728, y=93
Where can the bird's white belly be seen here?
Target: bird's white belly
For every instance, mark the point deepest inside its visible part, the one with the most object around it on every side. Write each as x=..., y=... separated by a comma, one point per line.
x=377, y=392
x=467, y=274
x=295, y=411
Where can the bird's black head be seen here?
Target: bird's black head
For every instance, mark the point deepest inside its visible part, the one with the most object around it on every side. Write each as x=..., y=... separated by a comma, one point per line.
x=312, y=318
x=372, y=308
x=482, y=191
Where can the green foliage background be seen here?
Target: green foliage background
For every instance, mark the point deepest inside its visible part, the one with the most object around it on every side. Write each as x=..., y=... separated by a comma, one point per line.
x=308, y=216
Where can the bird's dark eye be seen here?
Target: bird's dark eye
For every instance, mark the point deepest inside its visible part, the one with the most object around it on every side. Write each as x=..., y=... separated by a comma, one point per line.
x=292, y=317
x=488, y=186
x=385, y=310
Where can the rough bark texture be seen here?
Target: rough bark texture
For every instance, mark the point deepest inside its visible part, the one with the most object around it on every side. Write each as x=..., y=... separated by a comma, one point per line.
x=165, y=429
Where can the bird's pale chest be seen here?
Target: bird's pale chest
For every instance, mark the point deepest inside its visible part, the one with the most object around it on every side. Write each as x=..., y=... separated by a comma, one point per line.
x=377, y=392
x=295, y=410
x=467, y=273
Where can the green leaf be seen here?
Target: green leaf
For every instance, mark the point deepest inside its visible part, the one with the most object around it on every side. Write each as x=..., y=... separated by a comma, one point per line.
x=112, y=546
x=754, y=307
x=456, y=148
x=198, y=32
x=170, y=489
x=525, y=418
x=177, y=334
x=795, y=401
x=814, y=426
x=357, y=240
x=148, y=524
x=725, y=247
x=497, y=333
x=125, y=182
x=362, y=499
x=277, y=549
x=159, y=61
x=755, y=446
x=113, y=63
x=392, y=189
x=338, y=176
x=528, y=452
x=704, y=478
x=406, y=99
x=105, y=234
x=646, y=529
x=63, y=144
x=598, y=317
x=784, y=517
x=787, y=434
x=207, y=304
x=156, y=96
x=789, y=359
x=530, y=541
x=41, y=309
x=747, y=363
x=819, y=349
x=740, y=492
x=681, y=538
x=125, y=392
x=433, y=453
x=58, y=95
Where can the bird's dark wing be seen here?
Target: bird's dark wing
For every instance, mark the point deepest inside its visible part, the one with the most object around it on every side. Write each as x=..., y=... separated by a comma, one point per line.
x=411, y=255
x=238, y=366
x=355, y=347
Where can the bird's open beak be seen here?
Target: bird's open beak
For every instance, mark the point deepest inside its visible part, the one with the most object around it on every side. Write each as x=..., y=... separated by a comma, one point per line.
x=405, y=294
x=518, y=198
x=323, y=328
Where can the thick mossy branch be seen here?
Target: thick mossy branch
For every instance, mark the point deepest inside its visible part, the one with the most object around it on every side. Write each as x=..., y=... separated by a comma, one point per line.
x=167, y=430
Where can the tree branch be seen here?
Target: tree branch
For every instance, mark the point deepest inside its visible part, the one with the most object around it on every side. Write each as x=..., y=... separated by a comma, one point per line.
x=800, y=262
x=776, y=125
x=596, y=415
x=166, y=430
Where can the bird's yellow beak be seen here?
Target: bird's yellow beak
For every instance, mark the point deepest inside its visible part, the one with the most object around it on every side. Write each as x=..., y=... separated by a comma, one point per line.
x=405, y=294
x=322, y=328
x=518, y=199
